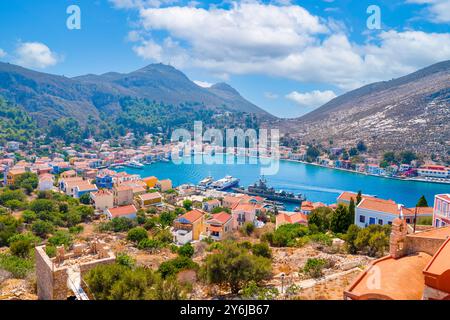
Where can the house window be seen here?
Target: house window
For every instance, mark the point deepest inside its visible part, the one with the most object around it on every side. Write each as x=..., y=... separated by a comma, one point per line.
x=380, y=222
x=408, y=220
x=362, y=219
x=390, y=223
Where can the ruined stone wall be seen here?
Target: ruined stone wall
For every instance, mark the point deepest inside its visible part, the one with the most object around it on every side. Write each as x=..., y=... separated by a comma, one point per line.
x=418, y=244
x=51, y=282
x=45, y=278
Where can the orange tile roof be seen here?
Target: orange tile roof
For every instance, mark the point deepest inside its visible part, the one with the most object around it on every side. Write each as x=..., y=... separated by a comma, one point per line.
x=221, y=217
x=150, y=196
x=435, y=233
x=445, y=197
x=122, y=211
x=380, y=205
x=399, y=279
x=123, y=188
x=244, y=207
x=290, y=217
x=420, y=211
x=346, y=196
x=16, y=171
x=102, y=192
x=192, y=215
x=215, y=228
x=441, y=260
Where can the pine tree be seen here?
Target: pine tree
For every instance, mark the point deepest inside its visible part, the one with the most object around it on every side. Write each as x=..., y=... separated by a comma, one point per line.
x=359, y=197
x=351, y=209
x=422, y=202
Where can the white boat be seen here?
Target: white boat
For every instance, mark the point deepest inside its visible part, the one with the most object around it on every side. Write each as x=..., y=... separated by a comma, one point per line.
x=135, y=164
x=206, y=182
x=225, y=183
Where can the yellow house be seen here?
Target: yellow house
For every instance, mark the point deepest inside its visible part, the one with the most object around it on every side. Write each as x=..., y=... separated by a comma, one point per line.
x=193, y=221
x=12, y=175
x=150, y=199
x=150, y=181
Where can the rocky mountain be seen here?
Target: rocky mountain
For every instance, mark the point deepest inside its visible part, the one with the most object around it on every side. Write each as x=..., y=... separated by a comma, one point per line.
x=408, y=113
x=46, y=96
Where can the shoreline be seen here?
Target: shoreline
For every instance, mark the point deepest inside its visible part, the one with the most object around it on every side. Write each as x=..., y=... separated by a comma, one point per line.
x=331, y=168
x=368, y=174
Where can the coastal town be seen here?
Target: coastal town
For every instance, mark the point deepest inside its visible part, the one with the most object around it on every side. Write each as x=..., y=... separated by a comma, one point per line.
x=224, y=159
x=71, y=215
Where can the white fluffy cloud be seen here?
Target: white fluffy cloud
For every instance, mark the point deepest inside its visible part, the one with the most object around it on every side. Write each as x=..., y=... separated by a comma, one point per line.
x=283, y=41
x=438, y=10
x=314, y=98
x=2, y=53
x=131, y=4
x=35, y=54
x=203, y=84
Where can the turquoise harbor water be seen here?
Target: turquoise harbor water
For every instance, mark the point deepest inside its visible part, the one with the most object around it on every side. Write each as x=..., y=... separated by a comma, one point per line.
x=316, y=183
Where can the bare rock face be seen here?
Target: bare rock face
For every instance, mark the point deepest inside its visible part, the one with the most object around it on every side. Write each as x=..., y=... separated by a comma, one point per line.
x=408, y=113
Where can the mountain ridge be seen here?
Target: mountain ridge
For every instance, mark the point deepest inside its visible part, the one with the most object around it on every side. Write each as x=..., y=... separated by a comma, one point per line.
x=47, y=96
x=408, y=113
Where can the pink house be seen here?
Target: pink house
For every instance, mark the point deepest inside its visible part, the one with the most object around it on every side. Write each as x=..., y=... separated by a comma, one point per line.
x=441, y=210
x=244, y=212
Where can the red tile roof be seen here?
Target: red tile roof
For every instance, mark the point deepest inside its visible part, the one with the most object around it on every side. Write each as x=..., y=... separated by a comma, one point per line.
x=221, y=217
x=192, y=215
x=150, y=196
x=122, y=211
x=346, y=196
x=289, y=217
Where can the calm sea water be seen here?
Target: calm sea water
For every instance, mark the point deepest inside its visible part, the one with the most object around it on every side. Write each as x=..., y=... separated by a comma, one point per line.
x=316, y=183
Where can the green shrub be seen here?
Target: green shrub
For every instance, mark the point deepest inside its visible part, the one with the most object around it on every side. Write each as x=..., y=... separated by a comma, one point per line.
x=314, y=267
x=248, y=228
x=20, y=248
x=150, y=244
x=61, y=238
x=76, y=229
x=9, y=226
x=262, y=249
x=186, y=250
x=29, y=216
x=172, y=267
x=137, y=234
x=50, y=251
x=321, y=238
x=18, y=266
x=125, y=260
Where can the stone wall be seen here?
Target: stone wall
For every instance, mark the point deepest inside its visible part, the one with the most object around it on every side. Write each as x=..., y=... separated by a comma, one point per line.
x=45, y=275
x=51, y=282
x=416, y=244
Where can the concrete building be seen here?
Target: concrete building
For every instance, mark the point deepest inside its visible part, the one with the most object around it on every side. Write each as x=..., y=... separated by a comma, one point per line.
x=379, y=211
x=189, y=226
x=123, y=195
x=129, y=212
x=61, y=277
x=218, y=226
x=284, y=217
x=150, y=199
x=46, y=182
x=102, y=199
x=441, y=210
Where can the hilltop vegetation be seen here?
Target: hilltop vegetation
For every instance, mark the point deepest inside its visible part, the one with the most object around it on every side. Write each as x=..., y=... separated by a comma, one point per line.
x=16, y=124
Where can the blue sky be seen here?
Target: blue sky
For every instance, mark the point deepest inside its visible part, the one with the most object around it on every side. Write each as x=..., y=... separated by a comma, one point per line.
x=287, y=57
